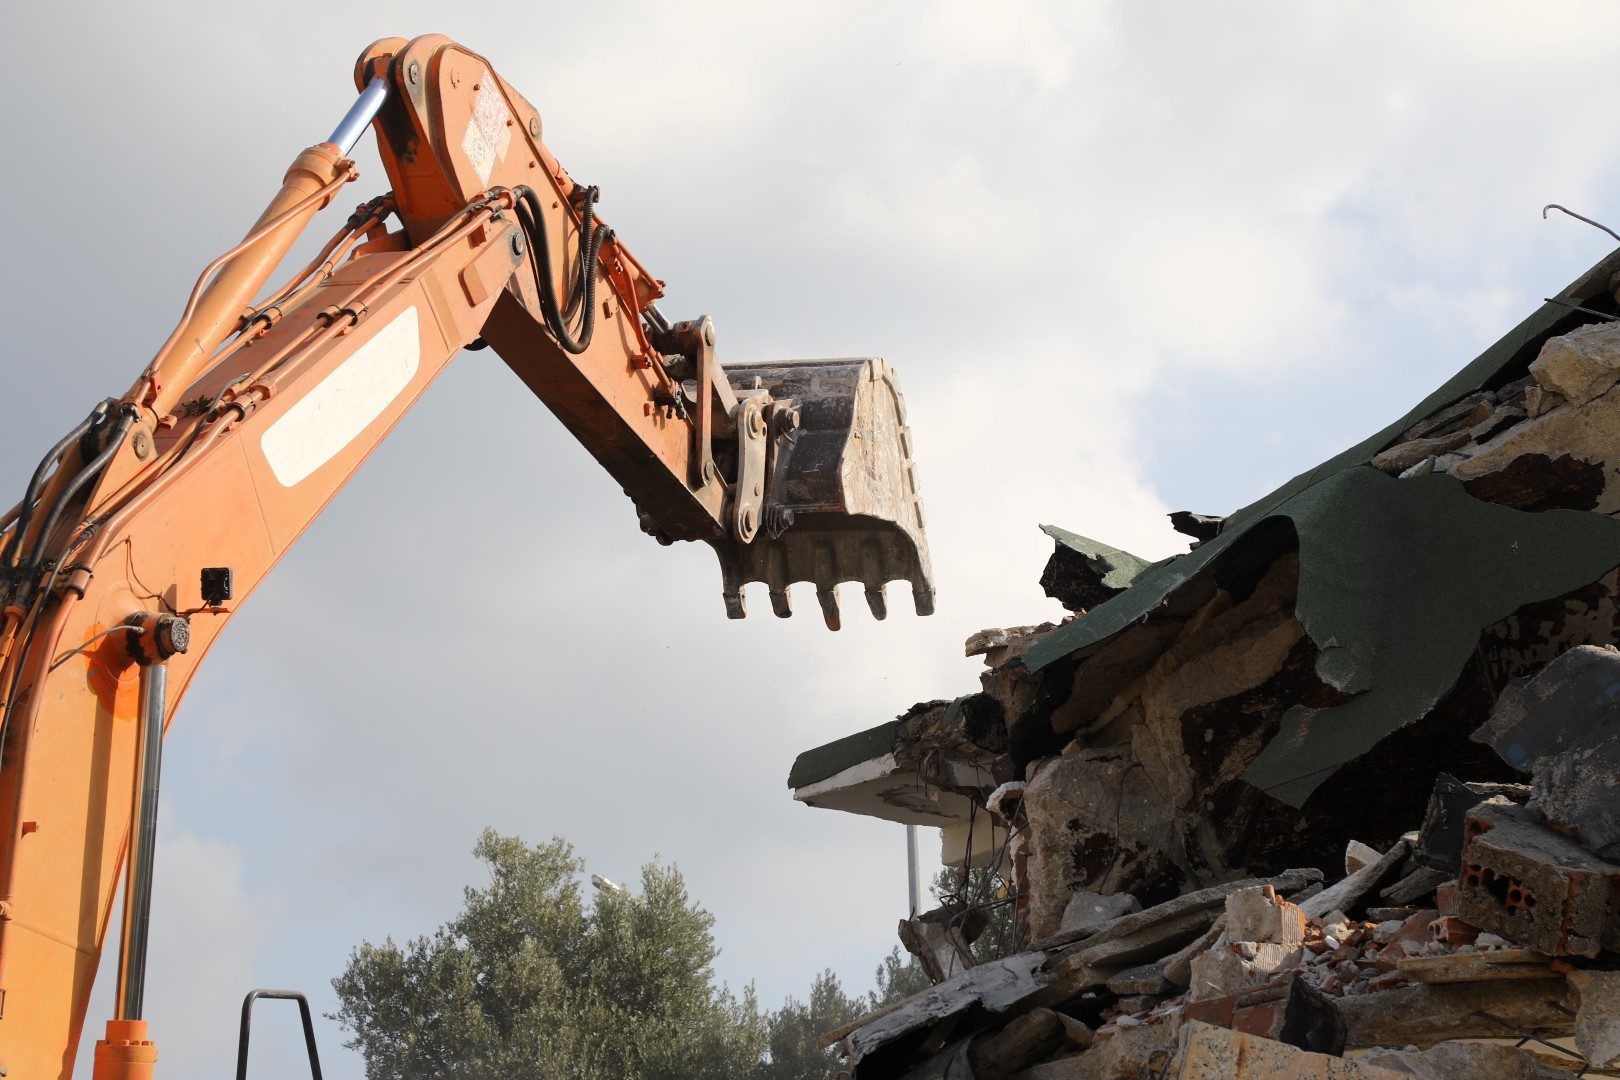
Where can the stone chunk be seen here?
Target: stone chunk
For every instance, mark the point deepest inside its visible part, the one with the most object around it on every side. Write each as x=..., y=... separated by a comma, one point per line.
x=1089, y=912
x=1534, y=886
x=1152, y=942
x=1147, y=979
x=1571, y=701
x=1207, y=1052
x=1463, y=1061
x=1582, y=364
x=1597, y=1022
x=940, y=945
x=1417, y=885
x=1024, y=1041
x=1579, y=791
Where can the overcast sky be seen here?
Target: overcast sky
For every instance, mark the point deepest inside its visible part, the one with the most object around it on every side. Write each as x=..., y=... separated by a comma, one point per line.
x=1127, y=258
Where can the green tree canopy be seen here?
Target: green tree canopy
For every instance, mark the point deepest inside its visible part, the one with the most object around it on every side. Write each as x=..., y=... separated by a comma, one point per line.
x=528, y=982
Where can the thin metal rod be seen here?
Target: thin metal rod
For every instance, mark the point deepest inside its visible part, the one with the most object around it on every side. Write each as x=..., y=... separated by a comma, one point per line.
x=143, y=844
x=360, y=115
x=913, y=876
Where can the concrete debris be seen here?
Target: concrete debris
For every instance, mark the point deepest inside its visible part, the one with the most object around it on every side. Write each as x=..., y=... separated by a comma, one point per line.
x=1345, y=775
x=1463, y=1061
x=1597, y=1023
x=941, y=939
x=1089, y=912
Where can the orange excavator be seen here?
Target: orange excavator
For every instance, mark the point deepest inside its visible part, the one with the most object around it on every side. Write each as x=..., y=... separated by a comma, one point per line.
x=147, y=524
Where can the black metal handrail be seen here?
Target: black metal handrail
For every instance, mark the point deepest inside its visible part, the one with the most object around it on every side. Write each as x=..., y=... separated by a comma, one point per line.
x=247, y=1026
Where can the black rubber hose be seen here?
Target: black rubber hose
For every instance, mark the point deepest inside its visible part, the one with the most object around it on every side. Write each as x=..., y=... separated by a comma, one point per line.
x=91, y=470
x=26, y=515
x=533, y=219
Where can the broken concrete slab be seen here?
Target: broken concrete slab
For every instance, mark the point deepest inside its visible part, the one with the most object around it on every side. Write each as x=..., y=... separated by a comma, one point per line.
x=1090, y=912
x=1207, y=1052
x=1417, y=885
x=1487, y=965
x=1151, y=942
x=1574, y=700
x=1532, y=885
x=1346, y=894
x=1146, y=979
x=1178, y=966
x=1597, y=1019
x=996, y=986
x=1422, y=1016
x=1199, y=900
x=1257, y=913
x=1463, y=1061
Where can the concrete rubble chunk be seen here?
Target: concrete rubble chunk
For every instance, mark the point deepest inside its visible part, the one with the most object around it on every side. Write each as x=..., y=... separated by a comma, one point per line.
x=1421, y=1016
x=1024, y=1041
x=1136, y=1051
x=1151, y=942
x=1078, y=1034
x=995, y=986
x=1178, y=966
x=1597, y=1020
x=1145, y=979
x=1463, y=1061
x=1090, y=912
x=1582, y=364
x=1578, y=791
x=1198, y=900
x=1572, y=701
x=1415, y=886
x=1207, y=1052
x=1483, y=966
x=1534, y=886
x=941, y=945
x=1344, y=895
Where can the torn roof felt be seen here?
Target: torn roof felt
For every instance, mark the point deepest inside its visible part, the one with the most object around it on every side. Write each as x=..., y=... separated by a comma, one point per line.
x=1509, y=357
x=1397, y=578
x=1117, y=569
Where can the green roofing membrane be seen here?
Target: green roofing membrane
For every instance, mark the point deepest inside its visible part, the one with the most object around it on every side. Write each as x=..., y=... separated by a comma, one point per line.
x=1397, y=577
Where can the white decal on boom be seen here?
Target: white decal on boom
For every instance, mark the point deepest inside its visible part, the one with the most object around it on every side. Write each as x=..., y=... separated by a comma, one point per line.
x=342, y=405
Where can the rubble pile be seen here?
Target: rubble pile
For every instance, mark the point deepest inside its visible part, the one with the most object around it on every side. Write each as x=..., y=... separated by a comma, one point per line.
x=1333, y=790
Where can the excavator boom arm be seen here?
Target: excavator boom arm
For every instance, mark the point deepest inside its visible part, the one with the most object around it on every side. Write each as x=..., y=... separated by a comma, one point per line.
x=143, y=530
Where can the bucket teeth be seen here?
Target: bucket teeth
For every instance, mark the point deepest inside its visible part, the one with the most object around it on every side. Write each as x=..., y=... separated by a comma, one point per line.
x=781, y=603
x=828, y=598
x=736, y=607
x=844, y=485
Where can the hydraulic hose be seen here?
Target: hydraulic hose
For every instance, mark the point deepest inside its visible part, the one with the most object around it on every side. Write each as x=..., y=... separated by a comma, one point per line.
x=91, y=470
x=26, y=514
x=591, y=238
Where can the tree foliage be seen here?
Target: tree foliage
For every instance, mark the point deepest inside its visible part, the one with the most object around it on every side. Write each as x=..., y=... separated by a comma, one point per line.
x=527, y=982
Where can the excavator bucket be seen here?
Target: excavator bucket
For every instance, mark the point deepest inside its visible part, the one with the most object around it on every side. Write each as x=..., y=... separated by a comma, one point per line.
x=842, y=498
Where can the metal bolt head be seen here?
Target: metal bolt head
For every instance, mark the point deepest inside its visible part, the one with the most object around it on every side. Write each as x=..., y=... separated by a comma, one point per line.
x=455, y=77
x=414, y=73
x=173, y=635
x=142, y=445
x=749, y=521
x=708, y=331
x=708, y=472
x=534, y=126
x=517, y=244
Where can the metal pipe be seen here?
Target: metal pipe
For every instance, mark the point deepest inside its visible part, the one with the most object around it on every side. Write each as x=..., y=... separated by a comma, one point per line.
x=143, y=844
x=913, y=882
x=360, y=115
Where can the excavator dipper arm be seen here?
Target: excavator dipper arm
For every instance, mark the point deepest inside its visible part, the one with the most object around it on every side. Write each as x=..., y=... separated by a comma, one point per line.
x=144, y=528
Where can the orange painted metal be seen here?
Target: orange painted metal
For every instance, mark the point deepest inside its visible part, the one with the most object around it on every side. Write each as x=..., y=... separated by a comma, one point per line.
x=126, y=1053
x=250, y=418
